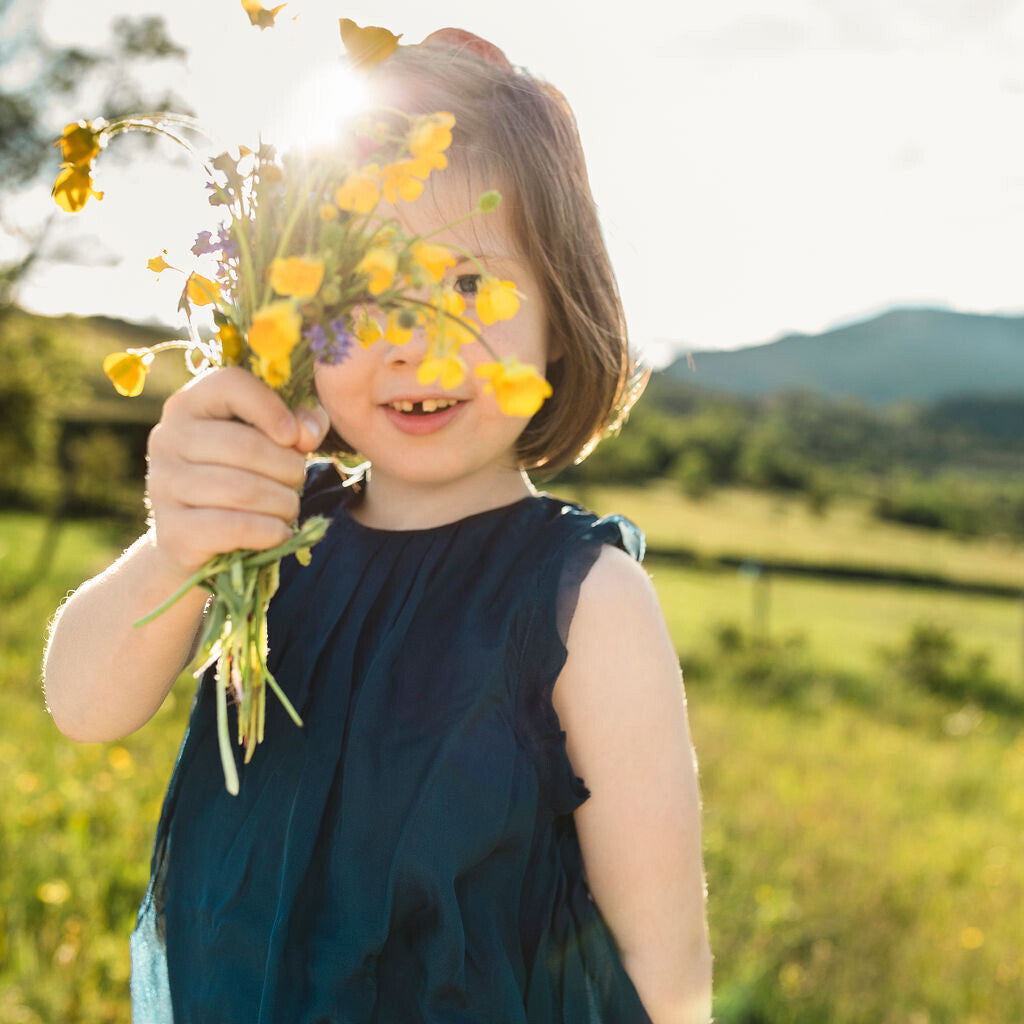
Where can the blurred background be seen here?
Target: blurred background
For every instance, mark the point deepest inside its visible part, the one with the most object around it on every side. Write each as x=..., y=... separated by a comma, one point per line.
x=815, y=212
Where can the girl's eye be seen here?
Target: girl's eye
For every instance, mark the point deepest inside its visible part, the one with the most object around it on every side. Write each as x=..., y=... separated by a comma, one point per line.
x=467, y=284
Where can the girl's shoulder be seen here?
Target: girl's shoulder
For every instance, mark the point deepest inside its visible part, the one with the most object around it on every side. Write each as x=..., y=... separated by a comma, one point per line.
x=570, y=546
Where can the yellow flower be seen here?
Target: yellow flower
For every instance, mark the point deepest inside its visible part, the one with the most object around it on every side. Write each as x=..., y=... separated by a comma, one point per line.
x=54, y=892
x=158, y=264
x=201, y=290
x=399, y=181
x=447, y=367
x=380, y=266
x=258, y=15
x=275, y=332
x=296, y=276
x=519, y=389
x=80, y=143
x=496, y=300
x=421, y=166
x=230, y=344
x=328, y=211
x=359, y=192
x=395, y=333
x=127, y=371
x=367, y=46
x=434, y=259
x=449, y=300
x=73, y=187
x=448, y=306
x=367, y=329
x=274, y=371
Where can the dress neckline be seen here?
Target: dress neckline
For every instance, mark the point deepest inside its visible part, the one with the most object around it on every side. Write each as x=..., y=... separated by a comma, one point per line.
x=529, y=499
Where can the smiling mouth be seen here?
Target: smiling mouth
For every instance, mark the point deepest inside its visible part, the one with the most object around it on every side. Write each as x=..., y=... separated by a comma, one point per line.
x=424, y=407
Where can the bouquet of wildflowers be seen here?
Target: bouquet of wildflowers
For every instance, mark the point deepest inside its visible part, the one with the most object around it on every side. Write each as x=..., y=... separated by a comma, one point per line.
x=306, y=268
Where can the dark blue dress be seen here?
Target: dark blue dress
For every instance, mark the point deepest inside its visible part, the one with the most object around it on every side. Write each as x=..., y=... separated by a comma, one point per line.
x=409, y=854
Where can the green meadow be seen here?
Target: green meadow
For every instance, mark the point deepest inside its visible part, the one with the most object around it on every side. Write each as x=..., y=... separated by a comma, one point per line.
x=861, y=751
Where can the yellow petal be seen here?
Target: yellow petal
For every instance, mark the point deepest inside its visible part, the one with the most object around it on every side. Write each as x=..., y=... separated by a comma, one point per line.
x=519, y=389
x=359, y=192
x=380, y=266
x=158, y=264
x=296, y=276
x=127, y=372
x=201, y=290
x=449, y=369
x=400, y=182
x=395, y=333
x=434, y=259
x=274, y=371
x=275, y=330
x=496, y=300
x=73, y=187
x=80, y=142
x=367, y=330
x=366, y=46
x=260, y=16
x=230, y=344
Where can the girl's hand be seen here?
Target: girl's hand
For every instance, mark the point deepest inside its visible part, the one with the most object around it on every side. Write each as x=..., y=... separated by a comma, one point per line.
x=226, y=467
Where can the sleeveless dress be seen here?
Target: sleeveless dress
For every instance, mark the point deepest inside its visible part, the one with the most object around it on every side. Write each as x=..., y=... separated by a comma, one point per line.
x=409, y=854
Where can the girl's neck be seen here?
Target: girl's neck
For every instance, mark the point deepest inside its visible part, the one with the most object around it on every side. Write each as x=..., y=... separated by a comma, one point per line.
x=394, y=504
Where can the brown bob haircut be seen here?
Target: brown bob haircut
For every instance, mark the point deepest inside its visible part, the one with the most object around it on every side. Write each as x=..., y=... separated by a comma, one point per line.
x=518, y=133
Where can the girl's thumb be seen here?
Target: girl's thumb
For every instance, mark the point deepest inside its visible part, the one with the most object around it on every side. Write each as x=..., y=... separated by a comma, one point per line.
x=313, y=426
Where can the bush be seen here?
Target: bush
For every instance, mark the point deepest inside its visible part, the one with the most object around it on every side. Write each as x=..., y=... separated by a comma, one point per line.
x=40, y=373
x=930, y=659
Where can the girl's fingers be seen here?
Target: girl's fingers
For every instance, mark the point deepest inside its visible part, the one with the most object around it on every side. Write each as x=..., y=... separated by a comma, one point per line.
x=199, y=534
x=224, y=443
x=313, y=426
x=231, y=489
x=234, y=393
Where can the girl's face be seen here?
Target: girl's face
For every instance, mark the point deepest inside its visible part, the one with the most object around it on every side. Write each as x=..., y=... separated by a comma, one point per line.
x=470, y=446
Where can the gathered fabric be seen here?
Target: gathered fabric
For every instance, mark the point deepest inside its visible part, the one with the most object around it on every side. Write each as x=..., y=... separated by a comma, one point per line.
x=409, y=853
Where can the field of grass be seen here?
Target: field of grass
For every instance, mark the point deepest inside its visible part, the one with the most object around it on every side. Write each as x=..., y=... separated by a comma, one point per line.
x=844, y=624
x=861, y=834
x=753, y=524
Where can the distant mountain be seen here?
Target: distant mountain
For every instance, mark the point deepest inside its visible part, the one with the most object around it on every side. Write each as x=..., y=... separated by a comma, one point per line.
x=917, y=354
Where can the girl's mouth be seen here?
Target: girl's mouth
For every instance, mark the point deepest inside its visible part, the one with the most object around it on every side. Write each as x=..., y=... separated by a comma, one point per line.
x=424, y=416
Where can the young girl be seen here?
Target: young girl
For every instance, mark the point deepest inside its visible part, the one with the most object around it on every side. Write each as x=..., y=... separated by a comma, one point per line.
x=430, y=845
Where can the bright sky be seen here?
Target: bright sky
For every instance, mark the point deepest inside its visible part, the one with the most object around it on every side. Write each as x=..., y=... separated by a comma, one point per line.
x=761, y=166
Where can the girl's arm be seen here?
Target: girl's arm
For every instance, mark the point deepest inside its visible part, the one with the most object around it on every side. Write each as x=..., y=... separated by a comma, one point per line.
x=225, y=469
x=621, y=702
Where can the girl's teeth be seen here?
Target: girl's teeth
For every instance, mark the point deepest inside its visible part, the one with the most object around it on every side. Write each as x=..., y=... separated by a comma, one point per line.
x=427, y=405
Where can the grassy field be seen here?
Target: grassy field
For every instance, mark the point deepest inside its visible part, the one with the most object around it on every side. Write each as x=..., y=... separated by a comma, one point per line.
x=844, y=624
x=861, y=833
x=755, y=525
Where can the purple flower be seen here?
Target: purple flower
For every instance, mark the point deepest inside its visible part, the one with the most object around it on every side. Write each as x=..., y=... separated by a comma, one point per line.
x=203, y=244
x=341, y=344
x=316, y=337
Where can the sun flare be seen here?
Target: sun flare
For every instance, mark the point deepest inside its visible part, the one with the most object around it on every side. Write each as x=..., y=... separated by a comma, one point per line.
x=314, y=113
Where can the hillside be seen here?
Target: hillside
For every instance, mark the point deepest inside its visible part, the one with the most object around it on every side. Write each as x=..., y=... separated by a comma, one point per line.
x=916, y=354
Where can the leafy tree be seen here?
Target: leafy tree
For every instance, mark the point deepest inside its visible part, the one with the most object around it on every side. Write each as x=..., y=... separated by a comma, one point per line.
x=39, y=91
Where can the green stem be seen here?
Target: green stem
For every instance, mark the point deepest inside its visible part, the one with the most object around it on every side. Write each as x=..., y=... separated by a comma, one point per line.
x=197, y=577
x=289, y=227
x=227, y=756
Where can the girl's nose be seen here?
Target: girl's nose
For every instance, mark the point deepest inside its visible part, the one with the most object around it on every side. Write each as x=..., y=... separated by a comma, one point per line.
x=412, y=352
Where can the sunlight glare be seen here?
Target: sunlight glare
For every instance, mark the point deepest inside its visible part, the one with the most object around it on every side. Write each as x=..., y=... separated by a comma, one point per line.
x=315, y=112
